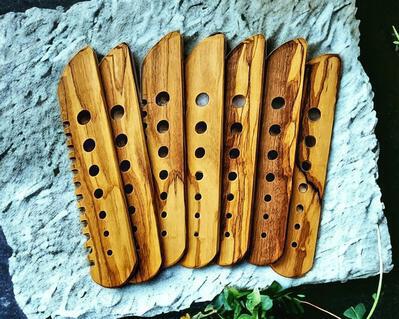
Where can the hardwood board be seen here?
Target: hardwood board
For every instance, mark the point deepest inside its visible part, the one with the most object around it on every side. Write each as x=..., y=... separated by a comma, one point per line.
x=320, y=96
x=204, y=74
x=94, y=163
x=125, y=118
x=163, y=116
x=285, y=68
x=243, y=102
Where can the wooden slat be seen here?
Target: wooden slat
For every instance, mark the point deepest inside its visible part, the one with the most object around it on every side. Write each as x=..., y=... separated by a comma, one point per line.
x=243, y=102
x=285, y=69
x=163, y=117
x=103, y=206
x=125, y=118
x=204, y=74
x=320, y=96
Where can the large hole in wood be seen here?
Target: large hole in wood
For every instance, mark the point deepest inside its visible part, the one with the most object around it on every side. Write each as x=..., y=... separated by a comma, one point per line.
x=234, y=153
x=306, y=166
x=200, y=127
x=299, y=208
x=163, y=174
x=202, y=99
x=197, y=215
x=238, y=100
x=163, y=151
x=94, y=170
x=267, y=198
x=232, y=176
x=124, y=165
x=198, y=196
x=163, y=126
x=303, y=187
x=236, y=128
x=164, y=214
x=310, y=141
x=278, y=102
x=132, y=209
x=270, y=177
x=275, y=129
x=229, y=215
x=102, y=214
x=128, y=188
x=199, y=176
x=272, y=155
x=84, y=117
x=121, y=140
x=230, y=197
x=117, y=112
x=163, y=195
x=98, y=193
x=89, y=145
x=314, y=114
x=162, y=98
x=200, y=152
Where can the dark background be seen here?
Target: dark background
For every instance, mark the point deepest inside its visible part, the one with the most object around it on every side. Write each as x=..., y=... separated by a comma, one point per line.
x=381, y=63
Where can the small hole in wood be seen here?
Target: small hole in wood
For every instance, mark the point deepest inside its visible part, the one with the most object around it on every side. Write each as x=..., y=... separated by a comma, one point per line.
x=297, y=226
x=132, y=209
x=163, y=233
x=144, y=114
x=98, y=193
x=145, y=126
x=299, y=208
x=201, y=127
x=163, y=195
x=124, y=165
x=310, y=141
x=128, y=188
x=234, y=153
x=163, y=126
x=143, y=102
x=102, y=214
x=314, y=114
x=198, y=196
x=164, y=214
x=89, y=145
x=265, y=216
x=163, y=174
x=306, y=166
x=238, y=100
x=236, y=128
x=274, y=130
x=230, y=197
x=162, y=98
x=196, y=234
x=270, y=177
x=134, y=228
x=263, y=235
x=232, y=176
x=109, y=252
x=267, y=198
x=163, y=151
x=199, y=176
x=303, y=187
x=117, y=112
x=229, y=215
x=197, y=215
x=200, y=152
x=278, y=102
x=227, y=234
x=84, y=117
x=106, y=233
x=294, y=244
x=121, y=140
x=272, y=155
x=94, y=170
x=202, y=99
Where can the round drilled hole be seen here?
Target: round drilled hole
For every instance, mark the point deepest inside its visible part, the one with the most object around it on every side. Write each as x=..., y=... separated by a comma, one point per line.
x=89, y=145
x=270, y=177
x=199, y=176
x=230, y=197
x=314, y=114
x=98, y=193
x=303, y=187
x=310, y=141
x=200, y=152
x=117, y=112
x=299, y=208
x=197, y=215
x=238, y=100
x=227, y=234
x=306, y=166
x=163, y=195
x=94, y=170
x=163, y=174
x=162, y=98
x=278, y=102
x=106, y=233
x=229, y=215
x=201, y=127
x=297, y=226
x=265, y=216
x=109, y=252
x=196, y=234
x=124, y=165
x=128, y=188
x=294, y=244
x=102, y=214
x=84, y=117
x=274, y=130
x=163, y=233
x=163, y=126
x=134, y=228
x=163, y=151
x=121, y=140
x=234, y=153
x=232, y=176
x=236, y=128
x=198, y=196
x=132, y=209
x=272, y=155
x=164, y=214
x=263, y=235
x=267, y=198
x=202, y=99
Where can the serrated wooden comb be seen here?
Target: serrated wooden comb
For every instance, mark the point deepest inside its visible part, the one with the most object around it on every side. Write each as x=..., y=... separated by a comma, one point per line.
x=243, y=102
x=204, y=79
x=320, y=96
x=163, y=116
x=99, y=184
x=123, y=106
x=285, y=68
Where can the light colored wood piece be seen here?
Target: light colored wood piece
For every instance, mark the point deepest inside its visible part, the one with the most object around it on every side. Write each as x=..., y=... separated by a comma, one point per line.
x=125, y=118
x=112, y=254
x=163, y=117
x=204, y=73
x=243, y=102
x=320, y=96
x=285, y=68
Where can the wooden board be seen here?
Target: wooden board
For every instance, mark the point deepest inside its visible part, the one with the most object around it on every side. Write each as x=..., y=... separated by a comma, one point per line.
x=163, y=117
x=320, y=96
x=285, y=68
x=243, y=102
x=204, y=80
x=99, y=185
x=125, y=118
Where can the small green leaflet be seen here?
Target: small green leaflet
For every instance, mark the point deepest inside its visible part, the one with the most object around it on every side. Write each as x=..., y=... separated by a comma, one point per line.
x=357, y=312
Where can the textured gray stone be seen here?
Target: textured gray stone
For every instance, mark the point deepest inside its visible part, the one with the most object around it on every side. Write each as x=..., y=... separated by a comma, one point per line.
x=38, y=212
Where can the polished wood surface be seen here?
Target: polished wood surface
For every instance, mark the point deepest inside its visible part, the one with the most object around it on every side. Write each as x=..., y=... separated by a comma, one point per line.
x=163, y=116
x=94, y=163
x=285, y=68
x=243, y=102
x=320, y=96
x=125, y=118
x=204, y=80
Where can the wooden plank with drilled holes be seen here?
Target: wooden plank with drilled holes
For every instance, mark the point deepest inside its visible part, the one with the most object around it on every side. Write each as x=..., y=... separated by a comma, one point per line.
x=163, y=117
x=320, y=96
x=285, y=68
x=125, y=118
x=243, y=102
x=99, y=184
x=204, y=80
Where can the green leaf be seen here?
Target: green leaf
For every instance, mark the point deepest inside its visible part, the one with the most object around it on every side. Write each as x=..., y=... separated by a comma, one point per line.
x=266, y=302
x=273, y=289
x=253, y=299
x=245, y=316
x=357, y=312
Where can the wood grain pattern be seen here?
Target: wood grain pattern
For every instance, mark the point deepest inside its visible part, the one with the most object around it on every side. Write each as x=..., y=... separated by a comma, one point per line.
x=285, y=69
x=243, y=102
x=125, y=118
x=99, y=185
x=163, y=117
x=204, y=73
x=320, y=96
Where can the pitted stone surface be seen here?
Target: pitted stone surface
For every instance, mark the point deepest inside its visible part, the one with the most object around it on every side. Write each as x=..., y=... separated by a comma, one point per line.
x=37, y=203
